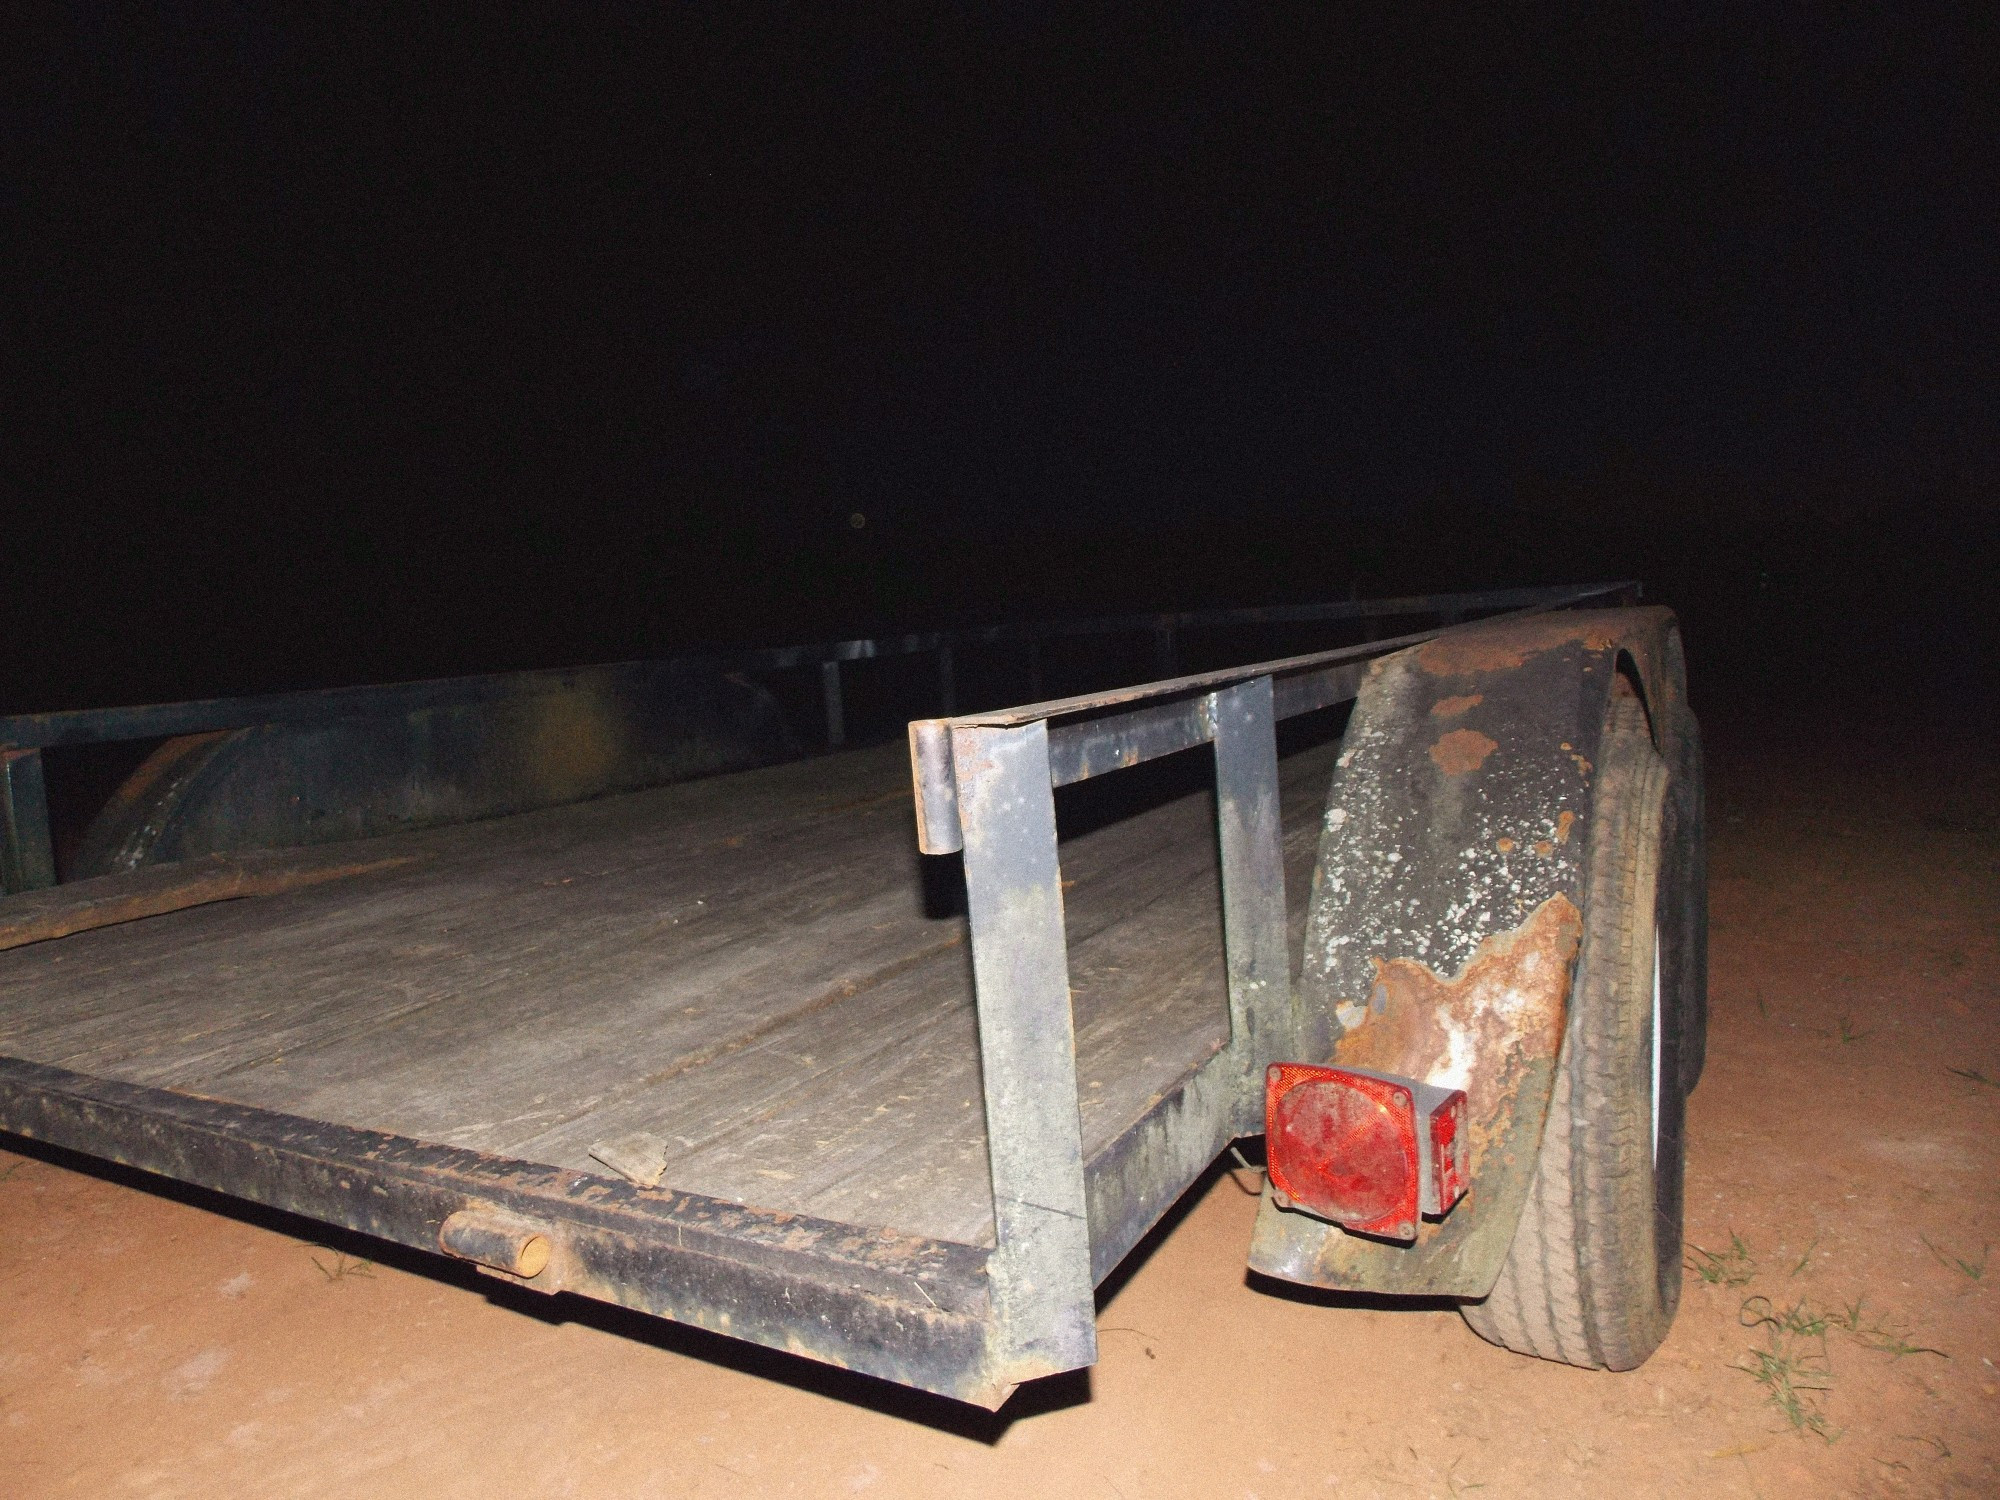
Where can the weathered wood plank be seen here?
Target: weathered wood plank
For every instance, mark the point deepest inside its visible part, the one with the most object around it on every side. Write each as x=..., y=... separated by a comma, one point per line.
x=59, y=911
x=746, y=968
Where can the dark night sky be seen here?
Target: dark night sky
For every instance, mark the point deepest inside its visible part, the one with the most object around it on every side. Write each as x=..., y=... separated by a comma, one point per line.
x=359, y=349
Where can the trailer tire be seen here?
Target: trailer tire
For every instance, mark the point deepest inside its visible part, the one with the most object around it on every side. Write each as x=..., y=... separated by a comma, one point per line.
x=1593, y=1275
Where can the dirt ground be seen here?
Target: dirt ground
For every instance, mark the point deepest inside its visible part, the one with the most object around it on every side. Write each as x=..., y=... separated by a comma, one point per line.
x=1842, y=1172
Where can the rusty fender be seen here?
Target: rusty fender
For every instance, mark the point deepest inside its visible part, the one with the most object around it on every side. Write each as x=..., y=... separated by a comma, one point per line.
x=1445, y=912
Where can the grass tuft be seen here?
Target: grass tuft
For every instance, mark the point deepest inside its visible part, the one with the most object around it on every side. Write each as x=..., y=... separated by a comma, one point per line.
x=1795, y=1366
x=1799, y=1320
x=343, y=1267
x=1796, y=1381
x=1731, y=1267
x=1972, y=1269
x=1806, y=1259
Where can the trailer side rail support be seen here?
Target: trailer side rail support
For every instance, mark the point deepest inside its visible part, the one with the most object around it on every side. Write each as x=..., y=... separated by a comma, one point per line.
x=1039, y=1270
x=27, y=855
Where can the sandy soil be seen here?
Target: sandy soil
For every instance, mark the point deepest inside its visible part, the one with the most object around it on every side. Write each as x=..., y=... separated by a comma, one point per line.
x=1847, y=1137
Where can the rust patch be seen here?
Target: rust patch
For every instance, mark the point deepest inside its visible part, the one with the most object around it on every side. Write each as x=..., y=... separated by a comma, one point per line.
x=1462, y=750
x=1504, y=845
x=1484, y=1028
x=572, y=745
x=1565, y=821
x=1451, y=708
x=1544, y=848
x=1505, y=644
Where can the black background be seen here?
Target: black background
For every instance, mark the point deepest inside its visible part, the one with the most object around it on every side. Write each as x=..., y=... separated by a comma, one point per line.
x=349, y=349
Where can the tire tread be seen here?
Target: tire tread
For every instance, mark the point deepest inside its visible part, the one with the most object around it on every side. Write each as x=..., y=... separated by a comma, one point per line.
x=1580, y=1284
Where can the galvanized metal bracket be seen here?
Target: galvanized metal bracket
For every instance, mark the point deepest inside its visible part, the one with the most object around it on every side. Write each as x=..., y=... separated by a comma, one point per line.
x=1040, y=1268
x=1061, y=1222
x=1262, y=1024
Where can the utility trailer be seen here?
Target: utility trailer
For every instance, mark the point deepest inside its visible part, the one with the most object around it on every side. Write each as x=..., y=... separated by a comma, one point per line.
x=731, y=1051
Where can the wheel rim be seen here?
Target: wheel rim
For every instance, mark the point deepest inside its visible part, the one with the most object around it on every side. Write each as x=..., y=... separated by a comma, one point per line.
x=1654, y=1046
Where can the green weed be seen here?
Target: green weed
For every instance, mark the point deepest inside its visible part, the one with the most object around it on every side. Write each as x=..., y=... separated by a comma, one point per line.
x=1973, y=1075
x=1796, y=1382
x=1798, y=1320
x=1796, y=1367
x=1895, y=1345
x=1731, y=1267
x=1847, y=1033
x=344, y=1267
x=1973, y=1269
x=1803, y=1320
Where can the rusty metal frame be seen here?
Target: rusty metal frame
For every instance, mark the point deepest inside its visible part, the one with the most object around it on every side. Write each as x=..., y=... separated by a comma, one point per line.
x=960, y=1320
x=985, y=787
x=906, y=1308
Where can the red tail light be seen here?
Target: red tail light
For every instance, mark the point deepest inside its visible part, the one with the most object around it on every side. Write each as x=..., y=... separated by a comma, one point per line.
x=1447, y=1175
x=1367, y=1150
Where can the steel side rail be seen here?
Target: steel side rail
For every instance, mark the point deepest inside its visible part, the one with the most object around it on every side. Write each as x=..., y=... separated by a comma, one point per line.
x=87, y=726
x=26, y=860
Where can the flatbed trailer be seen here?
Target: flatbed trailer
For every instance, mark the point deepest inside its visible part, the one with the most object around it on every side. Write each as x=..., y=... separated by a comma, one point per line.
x=742, y=1052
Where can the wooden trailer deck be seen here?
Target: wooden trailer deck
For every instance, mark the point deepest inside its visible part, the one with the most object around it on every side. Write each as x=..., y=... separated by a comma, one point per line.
x=758, y=969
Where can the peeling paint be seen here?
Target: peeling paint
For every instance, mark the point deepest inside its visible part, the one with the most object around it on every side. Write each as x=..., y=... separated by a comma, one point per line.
x=1499, y=646
x=1480, y=1029
x=1463, y=750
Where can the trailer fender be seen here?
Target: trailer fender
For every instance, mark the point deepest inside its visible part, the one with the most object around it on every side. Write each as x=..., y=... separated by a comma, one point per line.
x=595, y=731
x=1444, y=919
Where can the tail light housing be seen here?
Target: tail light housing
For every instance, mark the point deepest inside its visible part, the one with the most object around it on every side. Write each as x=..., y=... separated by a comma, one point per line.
x=1370, y=1151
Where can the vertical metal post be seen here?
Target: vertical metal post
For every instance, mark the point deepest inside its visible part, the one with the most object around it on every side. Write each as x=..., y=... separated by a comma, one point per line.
x=1253, y=886
x=947, y=682
x=1165, y=658
x=829, y=688
x=1040, y=1268
x=27, y=854
x=1368, y=630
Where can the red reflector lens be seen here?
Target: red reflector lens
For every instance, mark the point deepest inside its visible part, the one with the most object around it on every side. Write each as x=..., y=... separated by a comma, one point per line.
x=1448, y=1154
x=1343, y=1145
